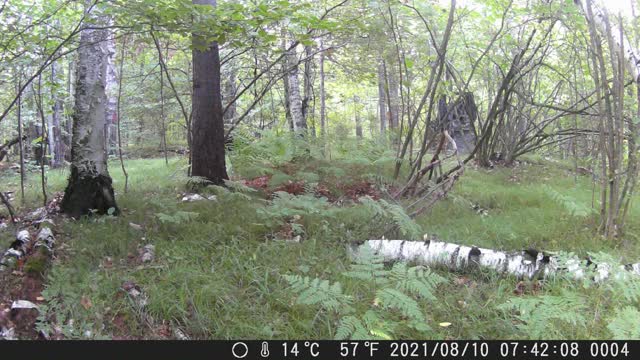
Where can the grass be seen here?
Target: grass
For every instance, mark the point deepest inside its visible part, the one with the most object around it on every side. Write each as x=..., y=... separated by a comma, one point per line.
x=218, y=272
x=522, y=212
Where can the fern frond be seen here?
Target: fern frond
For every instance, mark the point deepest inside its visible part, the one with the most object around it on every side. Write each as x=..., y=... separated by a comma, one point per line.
x=377, y=325
x=539, y=314
x=367, y=266
x=177, y=217
x=372, y=205
x=405, y=224
x=575, y=208
x=625, y=325
x=396, y=299
x=384, y=209
x=417, y=280
x=239, y=187
x=198, y=182
x=350, y=327
x=318, y=292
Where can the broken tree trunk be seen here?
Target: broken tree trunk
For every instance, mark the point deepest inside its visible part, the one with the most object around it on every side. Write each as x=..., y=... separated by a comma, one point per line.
x=527, y=263
x=16, y=251
x=4, y=149
x=7, y=203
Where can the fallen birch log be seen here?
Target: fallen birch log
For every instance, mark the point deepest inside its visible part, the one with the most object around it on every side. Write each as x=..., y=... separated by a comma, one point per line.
x=45, y=241
x=16, y=251
x=38, y=257
x=42, y=253
x=523, y=264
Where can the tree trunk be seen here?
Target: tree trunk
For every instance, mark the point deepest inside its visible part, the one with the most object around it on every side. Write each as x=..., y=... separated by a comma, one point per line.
x=110, y=108
x=68, y=119
x=208, y=124
x=163, y=136
x=634, y=128
x=58, y=149
x=295, y=99
x=44, y=137
x=357, y=118
x=323, y=114
x=285, y=80
x=21, y=138
x=90, y=186
x=230, y=90
x=119, y=113
x=523, y=264
x=609, y=125
x=394, y=98
x=631, y=59
x=4, y=148
x=307, y=90
x=382, y=108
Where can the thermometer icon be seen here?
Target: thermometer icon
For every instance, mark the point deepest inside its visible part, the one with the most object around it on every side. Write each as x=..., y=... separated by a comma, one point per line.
x=264, y=352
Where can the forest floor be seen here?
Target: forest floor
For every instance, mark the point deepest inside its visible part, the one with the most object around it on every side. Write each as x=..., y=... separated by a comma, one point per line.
x=218, y=266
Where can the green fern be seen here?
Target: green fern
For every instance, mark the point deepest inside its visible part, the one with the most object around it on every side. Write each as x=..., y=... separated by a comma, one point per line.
x=279, y=178
x=318, y=292
x=350, y=327
x=285, y=205
x=233, y=191
x=367, y=266
x=177, y=217
x=405, y=224
x=395, y=213
x=371, y=326
x=625, y=325
x=628, y=286
x=196, y=182
x=541, y=316
x=378, y=326
x=396, y=297
x=418, y=280
x=575, y=209
x=239, y=187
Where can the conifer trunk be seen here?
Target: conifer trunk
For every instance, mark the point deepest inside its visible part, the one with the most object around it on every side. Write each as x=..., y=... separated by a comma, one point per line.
x=208, y=124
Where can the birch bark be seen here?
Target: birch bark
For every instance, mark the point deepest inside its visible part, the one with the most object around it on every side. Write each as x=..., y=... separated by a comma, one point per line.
x=524, y=264
x=90, y=186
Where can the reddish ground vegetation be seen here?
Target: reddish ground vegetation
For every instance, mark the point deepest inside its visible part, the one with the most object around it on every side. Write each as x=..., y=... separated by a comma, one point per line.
x=351, y=190
x=292, y=187
x=259, y=183
x=323, y=191
x=359, y=189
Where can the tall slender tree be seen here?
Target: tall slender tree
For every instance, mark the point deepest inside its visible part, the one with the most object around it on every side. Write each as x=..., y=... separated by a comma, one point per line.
x=55, y=130
x=323, y=113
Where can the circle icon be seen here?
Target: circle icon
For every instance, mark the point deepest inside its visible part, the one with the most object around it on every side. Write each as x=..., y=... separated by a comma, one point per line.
x=239, y=350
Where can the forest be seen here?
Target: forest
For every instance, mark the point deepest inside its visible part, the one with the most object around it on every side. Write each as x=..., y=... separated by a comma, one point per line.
x=329, y=169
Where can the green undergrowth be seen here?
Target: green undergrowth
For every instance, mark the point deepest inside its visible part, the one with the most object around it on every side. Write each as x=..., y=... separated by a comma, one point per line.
x=538, y=205
x=255, y=264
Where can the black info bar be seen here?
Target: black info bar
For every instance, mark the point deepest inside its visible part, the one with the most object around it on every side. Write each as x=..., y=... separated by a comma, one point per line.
x=329, y=350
